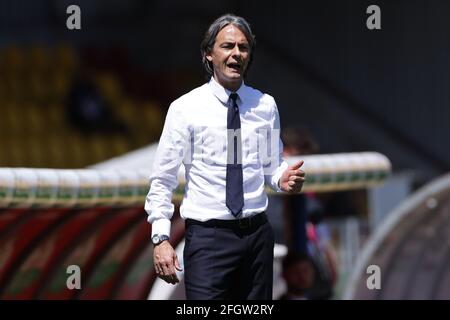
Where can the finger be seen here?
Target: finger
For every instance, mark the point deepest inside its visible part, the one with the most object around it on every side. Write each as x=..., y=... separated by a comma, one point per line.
x=299, y=173
x=294, y=185
x=296, y=178
x=170, y=270
x=297, y=187
x=172, y=274
x=299, y=183
x=158, y=263
x=297, y=165
x=166, y=270
x=157, y=269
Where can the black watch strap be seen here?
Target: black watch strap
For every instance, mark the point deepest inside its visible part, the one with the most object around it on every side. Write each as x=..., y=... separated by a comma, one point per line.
x=158, y=238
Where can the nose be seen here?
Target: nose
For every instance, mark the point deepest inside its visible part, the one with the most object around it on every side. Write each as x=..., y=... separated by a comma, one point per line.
x=236, y=52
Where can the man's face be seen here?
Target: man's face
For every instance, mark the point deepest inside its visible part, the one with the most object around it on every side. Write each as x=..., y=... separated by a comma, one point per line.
x=299, y=276
x=229, y=57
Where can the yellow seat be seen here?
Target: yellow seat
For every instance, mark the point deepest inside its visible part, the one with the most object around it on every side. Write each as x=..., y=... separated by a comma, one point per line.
x=37, y=151
x=38, y=59
x=59, y=151
x=17, y=151
x=153, y=117
x=76, y=150
x=60, y=83
x=39, y=88
x=56, y=117
x=65, y=58
x=3, y=89
x=119, y=145
x=109, y=86
x=126, y=112
x=14, y=116
x=37, y=120
x=13, y=60
x=15, y=89
x=150, y=123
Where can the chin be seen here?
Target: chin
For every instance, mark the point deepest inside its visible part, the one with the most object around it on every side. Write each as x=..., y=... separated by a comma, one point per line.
x=235, y=77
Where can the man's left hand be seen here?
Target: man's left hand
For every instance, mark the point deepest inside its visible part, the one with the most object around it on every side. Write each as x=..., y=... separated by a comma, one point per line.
x=293, y=178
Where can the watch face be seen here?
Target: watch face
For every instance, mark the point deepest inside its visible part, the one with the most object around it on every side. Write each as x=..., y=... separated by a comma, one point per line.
x=155, y=239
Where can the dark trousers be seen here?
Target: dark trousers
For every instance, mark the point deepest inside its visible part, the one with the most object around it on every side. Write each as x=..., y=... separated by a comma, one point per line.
x=228, y=262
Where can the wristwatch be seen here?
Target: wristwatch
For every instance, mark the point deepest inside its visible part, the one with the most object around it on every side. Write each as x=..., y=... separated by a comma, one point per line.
x=158, y=238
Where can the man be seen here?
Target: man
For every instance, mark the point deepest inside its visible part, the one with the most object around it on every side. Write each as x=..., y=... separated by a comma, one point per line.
x=299, y=274
x=218, y=132
x=298, y=141
x=305, y=231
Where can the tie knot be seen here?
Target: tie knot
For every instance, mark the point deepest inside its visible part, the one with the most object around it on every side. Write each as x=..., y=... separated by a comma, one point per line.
x=234, y=97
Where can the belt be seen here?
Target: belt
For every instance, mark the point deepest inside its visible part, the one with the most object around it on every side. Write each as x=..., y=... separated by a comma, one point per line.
x=244, y=223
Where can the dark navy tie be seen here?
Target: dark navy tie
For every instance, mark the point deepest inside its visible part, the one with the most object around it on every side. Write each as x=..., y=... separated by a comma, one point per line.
x=234, y=182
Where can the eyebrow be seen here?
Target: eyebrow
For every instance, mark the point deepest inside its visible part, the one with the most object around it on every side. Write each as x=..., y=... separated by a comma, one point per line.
x=233, y=42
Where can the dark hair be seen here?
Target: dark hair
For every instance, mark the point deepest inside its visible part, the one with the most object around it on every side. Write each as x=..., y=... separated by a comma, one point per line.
x=293, y=257
x=210, y=38
x=300, y=138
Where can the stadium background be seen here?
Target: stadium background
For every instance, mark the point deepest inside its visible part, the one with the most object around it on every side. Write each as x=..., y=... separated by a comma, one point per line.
x=356, y=89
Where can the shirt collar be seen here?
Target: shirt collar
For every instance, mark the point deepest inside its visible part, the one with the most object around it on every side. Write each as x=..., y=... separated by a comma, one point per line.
x=224, y=94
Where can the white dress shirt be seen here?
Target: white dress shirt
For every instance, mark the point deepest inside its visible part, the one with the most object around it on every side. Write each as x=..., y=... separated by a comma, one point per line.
x=195, y=135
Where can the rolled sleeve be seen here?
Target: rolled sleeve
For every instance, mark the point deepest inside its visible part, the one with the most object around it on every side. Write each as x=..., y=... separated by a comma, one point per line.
x=164, y=178
x=275, y=178
x=161, y=226
x=276, y=164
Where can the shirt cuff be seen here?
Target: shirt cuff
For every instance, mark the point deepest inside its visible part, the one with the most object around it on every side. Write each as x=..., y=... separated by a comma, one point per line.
x=275, y=178
x=161, y=226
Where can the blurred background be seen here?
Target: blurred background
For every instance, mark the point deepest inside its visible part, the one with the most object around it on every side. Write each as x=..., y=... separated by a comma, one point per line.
x=71, y=99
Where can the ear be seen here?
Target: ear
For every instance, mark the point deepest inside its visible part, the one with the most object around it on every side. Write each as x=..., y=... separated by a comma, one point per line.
x=209, y=57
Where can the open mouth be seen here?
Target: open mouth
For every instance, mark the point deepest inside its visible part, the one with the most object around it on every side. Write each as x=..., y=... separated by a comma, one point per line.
x=234, y=66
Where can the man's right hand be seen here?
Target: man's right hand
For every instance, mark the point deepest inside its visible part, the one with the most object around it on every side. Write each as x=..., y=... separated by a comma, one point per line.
x=166, y=261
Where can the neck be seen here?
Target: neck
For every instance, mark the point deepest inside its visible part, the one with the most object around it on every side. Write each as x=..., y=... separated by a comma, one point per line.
x=233, y=86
